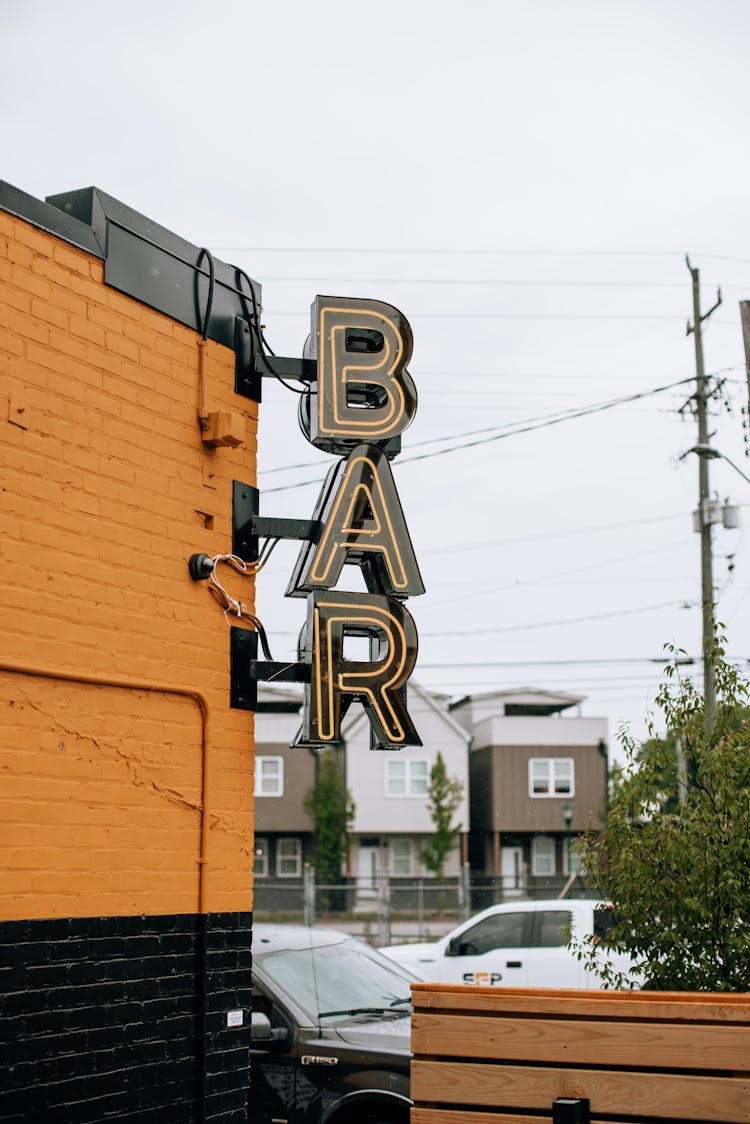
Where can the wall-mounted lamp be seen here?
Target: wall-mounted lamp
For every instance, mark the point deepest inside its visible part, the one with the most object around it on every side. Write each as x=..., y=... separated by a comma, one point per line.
x=568, y=816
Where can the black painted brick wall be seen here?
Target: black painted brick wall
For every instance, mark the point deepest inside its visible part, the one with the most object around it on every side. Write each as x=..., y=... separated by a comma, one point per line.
x=102, y=1019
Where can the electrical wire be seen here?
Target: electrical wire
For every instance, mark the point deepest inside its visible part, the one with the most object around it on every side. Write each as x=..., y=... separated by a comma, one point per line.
x=557, y=415
x=264, y=348
x=555, y=624
x=211, y=284
x=481, y=282
x=518, y=583
x=568, y=415
x=560, y=415
x=577, y=375
x=453, y=251
x=234, y=605
x=202, y=343
x=686, y=660
x=555, y=419
x=566, y=316
x=543, y=536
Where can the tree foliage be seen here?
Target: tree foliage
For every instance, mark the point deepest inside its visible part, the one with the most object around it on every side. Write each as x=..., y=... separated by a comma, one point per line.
x=675, y=858
x=444, y=794
x=331, y=807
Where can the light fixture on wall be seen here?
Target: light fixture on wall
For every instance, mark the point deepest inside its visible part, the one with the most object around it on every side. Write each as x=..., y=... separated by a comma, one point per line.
x=568, y=816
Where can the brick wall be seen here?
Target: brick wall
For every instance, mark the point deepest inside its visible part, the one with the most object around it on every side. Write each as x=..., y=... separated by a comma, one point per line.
x=125, y=779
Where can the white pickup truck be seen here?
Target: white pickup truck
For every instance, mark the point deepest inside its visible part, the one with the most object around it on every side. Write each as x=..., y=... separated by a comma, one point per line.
x=516, y=944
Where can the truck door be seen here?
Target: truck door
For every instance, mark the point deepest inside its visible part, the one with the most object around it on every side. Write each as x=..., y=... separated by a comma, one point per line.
x=273, y=1068
x=490, y=953
x=549, y=961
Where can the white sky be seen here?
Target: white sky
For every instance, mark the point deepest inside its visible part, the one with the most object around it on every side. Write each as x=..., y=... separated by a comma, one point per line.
x=522, y=180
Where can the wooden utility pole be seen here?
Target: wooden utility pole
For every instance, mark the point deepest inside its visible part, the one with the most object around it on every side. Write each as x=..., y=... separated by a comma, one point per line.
x=703, y=449
x=745, y=320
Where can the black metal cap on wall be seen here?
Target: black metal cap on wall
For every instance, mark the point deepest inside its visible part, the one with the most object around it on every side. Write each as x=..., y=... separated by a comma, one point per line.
x=144, y=259
x=156, y=266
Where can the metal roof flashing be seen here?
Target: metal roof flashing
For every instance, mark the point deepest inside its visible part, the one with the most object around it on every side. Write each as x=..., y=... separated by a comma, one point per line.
x=144, y=259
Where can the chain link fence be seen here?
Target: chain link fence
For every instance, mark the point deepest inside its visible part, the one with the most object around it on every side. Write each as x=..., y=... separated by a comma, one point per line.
x=388, y=910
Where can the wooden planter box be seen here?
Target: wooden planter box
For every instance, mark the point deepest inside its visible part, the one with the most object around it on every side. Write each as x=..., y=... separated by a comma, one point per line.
x=504, y=1055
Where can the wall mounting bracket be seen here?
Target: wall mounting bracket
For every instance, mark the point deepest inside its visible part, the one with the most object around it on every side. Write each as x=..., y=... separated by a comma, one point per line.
x=278, y=366
x=248, y=526
x=247, y=671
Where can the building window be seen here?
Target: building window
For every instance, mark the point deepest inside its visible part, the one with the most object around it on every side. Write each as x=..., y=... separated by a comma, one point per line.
x=571, y=858
x=402, y=856
x=551, y=776
x=269, y=776
x=260, y=866
x=288, y=858
x=406, y=778
x=542, y=856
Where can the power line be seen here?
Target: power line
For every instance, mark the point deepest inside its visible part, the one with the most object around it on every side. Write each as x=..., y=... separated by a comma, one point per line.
x=685, y=661
x=529, y=427
x=522, y=583
x=452, y=251
x=569, y=532
x=555, y=420
x=671, y=316
x=554, y=624
x=477, y=281
x=558, y=415
x=482, y=282
x=524, y=375
x=607, y=681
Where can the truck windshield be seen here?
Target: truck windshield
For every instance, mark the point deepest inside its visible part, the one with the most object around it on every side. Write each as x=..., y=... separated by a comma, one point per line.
x=339, y=980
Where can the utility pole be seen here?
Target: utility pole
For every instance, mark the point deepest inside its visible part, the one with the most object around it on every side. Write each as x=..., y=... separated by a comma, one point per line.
x=745, y=321
x=707, y=578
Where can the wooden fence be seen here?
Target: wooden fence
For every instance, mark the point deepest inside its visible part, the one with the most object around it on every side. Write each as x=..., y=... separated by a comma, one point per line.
x=506, y=1055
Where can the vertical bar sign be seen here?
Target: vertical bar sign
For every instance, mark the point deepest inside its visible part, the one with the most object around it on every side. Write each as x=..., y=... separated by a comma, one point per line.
x=362, y=400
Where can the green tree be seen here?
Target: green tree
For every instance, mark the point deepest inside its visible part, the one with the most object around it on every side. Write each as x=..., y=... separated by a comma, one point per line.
x=676, y=863
x=444, y=794
x=331, y=807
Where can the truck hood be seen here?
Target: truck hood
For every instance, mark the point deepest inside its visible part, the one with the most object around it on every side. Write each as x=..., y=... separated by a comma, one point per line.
x=389, y=1034
x=411, y=953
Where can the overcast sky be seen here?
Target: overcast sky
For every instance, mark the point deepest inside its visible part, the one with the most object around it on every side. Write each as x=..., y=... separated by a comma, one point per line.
x=523, y=181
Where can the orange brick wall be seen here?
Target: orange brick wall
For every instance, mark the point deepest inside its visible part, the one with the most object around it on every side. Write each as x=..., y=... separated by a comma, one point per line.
x=107, y=489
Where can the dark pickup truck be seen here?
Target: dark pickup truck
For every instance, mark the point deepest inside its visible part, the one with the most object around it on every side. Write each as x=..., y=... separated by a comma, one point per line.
x=331, y=1030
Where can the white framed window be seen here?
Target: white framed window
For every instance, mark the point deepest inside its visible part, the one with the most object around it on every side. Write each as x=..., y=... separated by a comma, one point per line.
x=542, y=856
x=288, y=858
x=406, y=778
x=269, y=776
x=260, y=866
x=401, y=857
x=551, y=776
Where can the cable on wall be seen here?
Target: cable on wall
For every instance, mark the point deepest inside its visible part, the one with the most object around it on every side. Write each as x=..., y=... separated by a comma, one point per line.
x=203, y=420
x=264, y=347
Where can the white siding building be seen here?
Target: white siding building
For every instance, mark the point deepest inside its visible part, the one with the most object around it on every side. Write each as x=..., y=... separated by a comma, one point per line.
x=389, y=788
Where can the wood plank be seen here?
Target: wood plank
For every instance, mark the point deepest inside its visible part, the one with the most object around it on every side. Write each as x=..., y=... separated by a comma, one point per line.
x=444, y=1116
x=440, y=1116
x=682, y=1006
x=661, y=1096
x=577, y=1042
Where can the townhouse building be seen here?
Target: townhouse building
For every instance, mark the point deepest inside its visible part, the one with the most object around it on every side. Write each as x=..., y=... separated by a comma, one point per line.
x=392, y=816
x=284, y=830
x=534, y=776
x=538, y=774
